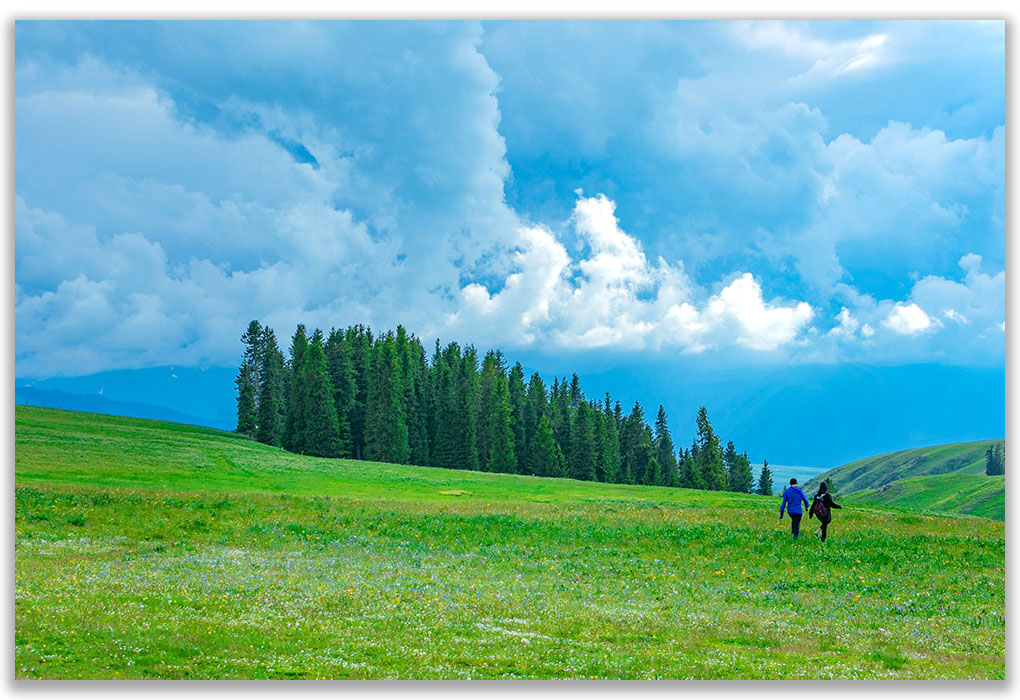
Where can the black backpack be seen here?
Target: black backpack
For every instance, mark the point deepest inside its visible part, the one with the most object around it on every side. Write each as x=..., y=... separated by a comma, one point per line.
x=819, y=509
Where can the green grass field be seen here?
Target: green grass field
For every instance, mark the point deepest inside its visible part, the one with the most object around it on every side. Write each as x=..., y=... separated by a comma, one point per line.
x=875, y=472
x=969, y=494
x=155, y=550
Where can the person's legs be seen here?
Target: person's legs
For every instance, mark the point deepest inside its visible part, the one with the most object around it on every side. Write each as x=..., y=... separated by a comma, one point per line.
x=795, y=524
x=825, y=526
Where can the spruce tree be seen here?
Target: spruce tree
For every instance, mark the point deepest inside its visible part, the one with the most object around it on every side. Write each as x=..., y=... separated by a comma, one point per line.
x=272, y=409
x=498, y=424
x=487, y=380
x=995, y=460
x=653, y=476
x=341, y=377
x=610, y=446
x=411, y=357
x=246, y=409
x=430, y=396
x=765, y=479
x=642, y=454
x=445, y=450
x=321, y=429
x=358, y=347
x=247, y=381
x=518, y=410
x=709, y=455
x=631, y=436
x=742, y=479
x=598, y=433
x=665, y=451
x=536, y=408
x=581, y=457
x=294, y=428
x=559, y=414
x=730, y=465
x=575, y=396
x=467, y=407
x=544, y=456
x=689, y=478
x=385, y=426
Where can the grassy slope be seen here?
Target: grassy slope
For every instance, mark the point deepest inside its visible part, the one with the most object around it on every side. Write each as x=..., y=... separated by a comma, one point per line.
x=873, y=472
x=147, y=549
x=970, y=494
x=876, y=475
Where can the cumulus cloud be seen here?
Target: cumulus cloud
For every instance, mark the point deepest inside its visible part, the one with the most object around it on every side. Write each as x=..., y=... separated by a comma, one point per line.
x=848, y=324
x=328, y=178
x=908, y=319
x=612, y=296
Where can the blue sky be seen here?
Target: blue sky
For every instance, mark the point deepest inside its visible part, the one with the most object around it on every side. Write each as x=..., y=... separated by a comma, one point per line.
x=729, y=194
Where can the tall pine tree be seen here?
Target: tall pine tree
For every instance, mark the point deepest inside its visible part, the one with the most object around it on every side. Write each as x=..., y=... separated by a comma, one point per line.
x=247, y=381
x=665, y=451
x=358, y=345
x=742, y=479
x=321, y=430
x=581, y=457
x=518, y=409
x=610, y=445
x=294, y=428
x=341, y=376
x=385, y=426
x=995, y=460
x=272, y=408
x=535, y=408
x=544, y=455
x=468, y=408
x=498, y=427
x=631, y=438
x=765, y=479
x=446, y=450
x=689, y=478
x=709, y=457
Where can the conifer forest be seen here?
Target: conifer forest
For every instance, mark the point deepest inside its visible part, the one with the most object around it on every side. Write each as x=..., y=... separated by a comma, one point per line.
x=353, y=394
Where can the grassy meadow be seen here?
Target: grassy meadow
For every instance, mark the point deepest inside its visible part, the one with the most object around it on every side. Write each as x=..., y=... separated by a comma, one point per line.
x=874, y=472
x=969, y=494
x=157, y=550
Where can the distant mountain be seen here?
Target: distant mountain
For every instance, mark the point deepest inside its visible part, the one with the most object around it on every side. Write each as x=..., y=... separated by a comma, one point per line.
x=956, y=493
x=875, y=472
x=94, y=403
x=200, y=396
x=813, y=415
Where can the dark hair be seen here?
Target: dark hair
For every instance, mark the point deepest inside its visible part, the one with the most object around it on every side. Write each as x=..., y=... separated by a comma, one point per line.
x=822, y=488
x=793, y=482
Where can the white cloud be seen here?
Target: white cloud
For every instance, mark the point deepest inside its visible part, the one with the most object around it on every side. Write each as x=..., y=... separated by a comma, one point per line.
x=828, y=58
x=954, y=315
x=848, y=324
x=164, y=233
x=907, y=319
x=614, y=297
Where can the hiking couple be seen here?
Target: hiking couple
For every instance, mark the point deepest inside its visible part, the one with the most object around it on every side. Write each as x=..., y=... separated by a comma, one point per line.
x=821, y=506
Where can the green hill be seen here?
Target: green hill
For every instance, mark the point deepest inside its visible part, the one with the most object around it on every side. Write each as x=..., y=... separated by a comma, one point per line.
x=156, y=550
x=875, y=472
x=969, y=494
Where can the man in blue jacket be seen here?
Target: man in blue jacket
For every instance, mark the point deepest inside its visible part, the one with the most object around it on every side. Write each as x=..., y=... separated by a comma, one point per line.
x=792, y=498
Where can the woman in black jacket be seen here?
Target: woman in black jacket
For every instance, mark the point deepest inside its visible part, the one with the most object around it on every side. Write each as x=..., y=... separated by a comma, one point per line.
x=822, y=506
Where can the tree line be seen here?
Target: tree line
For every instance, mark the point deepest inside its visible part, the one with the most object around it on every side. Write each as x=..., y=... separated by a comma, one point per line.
x=356, y=395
